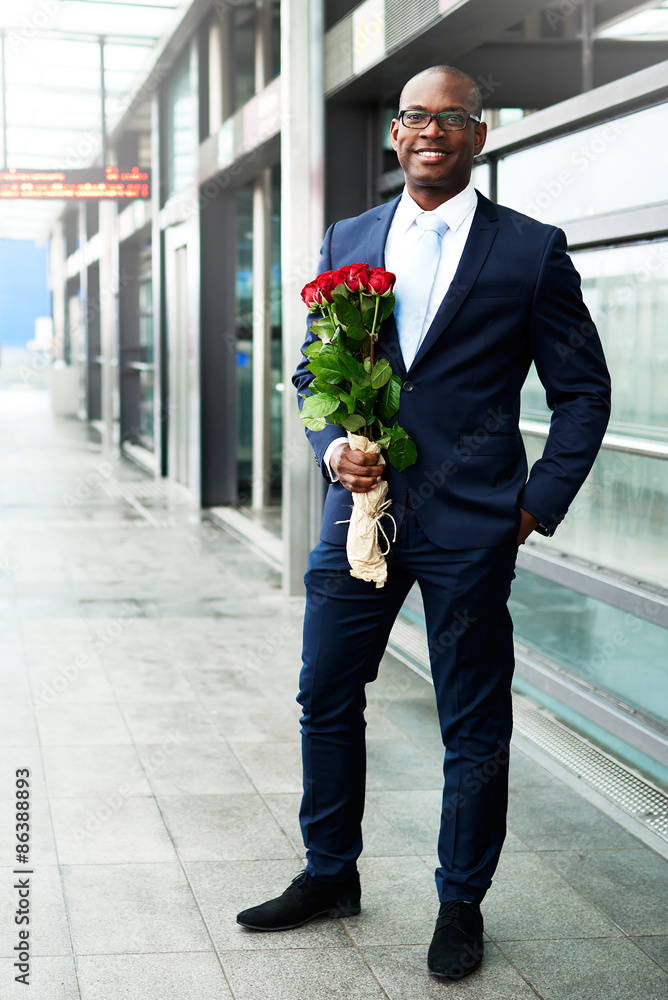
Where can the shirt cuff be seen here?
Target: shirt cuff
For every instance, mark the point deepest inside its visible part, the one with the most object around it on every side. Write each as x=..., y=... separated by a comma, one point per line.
x=328, y=454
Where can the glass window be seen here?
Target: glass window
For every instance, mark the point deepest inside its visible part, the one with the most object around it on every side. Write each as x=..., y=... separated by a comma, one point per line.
x=277, y=387
x=243, y=54
x=244, y=329
x=591, y=172
x=601, y=645
x=619, y=519
x=181, y=127
x=146, y=353
x=626, y=289
x=275, y=38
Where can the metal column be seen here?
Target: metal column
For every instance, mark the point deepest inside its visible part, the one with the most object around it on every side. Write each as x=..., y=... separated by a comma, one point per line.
x=302, y=221
x=261, y=337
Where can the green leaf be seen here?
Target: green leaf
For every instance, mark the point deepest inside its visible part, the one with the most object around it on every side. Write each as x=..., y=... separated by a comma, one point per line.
x=367, y=364
x=351, y=368
x=345, y=311
x=323, y=327
x=320, y=405
x=314, y=349
x=389, y=398
x=357, y=332
x=328, y=368
x=383, y=440
x=341, y=289
x=402, y=453
x=368, y=316
x=363, y=392
x=353, y=422
x=349, y=400
x=382, y=373
x=386, y=307
x=318, y=385
x=313, y=423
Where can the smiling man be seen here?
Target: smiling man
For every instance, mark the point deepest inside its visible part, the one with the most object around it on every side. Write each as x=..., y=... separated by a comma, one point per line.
x=481, y=293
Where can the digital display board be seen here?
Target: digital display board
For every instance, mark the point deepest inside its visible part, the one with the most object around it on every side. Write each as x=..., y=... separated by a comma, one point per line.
x=94, y=182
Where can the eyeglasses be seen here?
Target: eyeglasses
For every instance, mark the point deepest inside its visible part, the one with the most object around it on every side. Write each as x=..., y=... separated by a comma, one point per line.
x=448, y=121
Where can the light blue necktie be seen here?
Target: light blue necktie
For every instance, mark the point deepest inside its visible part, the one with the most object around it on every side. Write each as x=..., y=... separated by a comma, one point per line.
x=414, y=284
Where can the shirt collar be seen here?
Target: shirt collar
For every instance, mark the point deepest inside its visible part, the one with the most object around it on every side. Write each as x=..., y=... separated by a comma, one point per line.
x=453, y=211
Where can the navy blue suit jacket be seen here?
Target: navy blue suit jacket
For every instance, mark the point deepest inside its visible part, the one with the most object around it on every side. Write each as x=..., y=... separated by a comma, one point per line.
x=515, y=298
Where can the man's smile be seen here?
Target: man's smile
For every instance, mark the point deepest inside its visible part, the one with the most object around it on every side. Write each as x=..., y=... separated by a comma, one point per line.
x=430, y=155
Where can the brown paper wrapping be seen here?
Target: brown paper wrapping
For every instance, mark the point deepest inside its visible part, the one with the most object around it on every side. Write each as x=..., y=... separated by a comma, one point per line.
x=363, y=547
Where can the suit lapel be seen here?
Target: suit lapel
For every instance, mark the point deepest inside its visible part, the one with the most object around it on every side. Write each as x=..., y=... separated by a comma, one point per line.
x=478, y=244
x=375, y=257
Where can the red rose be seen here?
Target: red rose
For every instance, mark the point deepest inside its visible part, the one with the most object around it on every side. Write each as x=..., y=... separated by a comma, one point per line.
x=326, y=283
x=310, y=295
x=340, y=276
x=357, y=277
x=380, y=281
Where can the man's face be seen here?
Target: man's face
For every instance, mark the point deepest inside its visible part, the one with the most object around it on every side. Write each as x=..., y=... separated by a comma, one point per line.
x=429, y=177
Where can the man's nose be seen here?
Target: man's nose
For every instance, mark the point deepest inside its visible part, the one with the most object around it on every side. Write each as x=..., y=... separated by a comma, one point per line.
x=433, y=129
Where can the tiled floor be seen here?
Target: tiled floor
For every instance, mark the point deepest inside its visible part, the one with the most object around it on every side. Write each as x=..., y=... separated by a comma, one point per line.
x=148, y=676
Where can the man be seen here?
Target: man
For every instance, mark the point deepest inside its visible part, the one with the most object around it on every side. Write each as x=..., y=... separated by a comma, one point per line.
x=481, y=292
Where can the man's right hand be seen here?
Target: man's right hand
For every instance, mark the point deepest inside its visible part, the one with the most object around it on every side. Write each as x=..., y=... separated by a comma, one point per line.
x=356, y=470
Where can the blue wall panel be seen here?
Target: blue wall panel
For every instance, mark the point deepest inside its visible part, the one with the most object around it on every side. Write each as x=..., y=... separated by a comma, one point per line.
x=23, y=290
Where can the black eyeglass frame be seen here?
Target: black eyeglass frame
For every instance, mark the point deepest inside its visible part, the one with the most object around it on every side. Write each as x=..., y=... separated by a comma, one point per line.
x=417, y=111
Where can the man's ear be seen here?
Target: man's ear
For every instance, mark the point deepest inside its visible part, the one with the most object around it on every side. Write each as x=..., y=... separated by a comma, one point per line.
x=394, y=129
x=480, y=137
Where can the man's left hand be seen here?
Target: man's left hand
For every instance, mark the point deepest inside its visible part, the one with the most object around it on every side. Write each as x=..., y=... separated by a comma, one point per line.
x=529, y=522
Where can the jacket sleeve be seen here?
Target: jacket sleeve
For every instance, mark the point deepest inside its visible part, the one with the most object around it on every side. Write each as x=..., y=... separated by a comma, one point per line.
x=571, y=366
x=302, y=378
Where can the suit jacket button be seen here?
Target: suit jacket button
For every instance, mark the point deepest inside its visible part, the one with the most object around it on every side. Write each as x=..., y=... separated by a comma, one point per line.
x=407, y=387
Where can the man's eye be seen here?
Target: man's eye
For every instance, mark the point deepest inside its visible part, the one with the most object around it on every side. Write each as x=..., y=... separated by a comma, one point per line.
x=415, y=117
x=452, y=119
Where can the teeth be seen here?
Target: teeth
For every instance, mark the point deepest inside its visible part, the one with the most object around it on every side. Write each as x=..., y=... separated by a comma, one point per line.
x=430, y=153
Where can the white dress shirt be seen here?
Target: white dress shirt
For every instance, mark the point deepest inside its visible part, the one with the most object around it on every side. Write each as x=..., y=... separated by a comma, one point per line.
x=403, y=234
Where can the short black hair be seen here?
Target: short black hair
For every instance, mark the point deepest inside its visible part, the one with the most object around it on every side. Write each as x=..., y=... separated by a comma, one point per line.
x=459, y=74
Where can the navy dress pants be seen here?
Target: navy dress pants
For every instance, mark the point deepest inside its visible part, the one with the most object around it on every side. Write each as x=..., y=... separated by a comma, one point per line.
x=346, y=628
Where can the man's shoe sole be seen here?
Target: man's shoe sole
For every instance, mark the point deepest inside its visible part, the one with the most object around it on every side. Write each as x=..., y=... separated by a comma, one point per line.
x=454, y=976
x=338, y=911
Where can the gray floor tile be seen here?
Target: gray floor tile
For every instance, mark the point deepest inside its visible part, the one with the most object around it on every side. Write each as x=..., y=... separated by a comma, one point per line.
x=243, y=716
x=403, y=974
x=223, y=828
x=111, y=830
x=553, y=817
x=656, y=947
x=193, y=769
x=152, y=683
x=69, y=725
x=152, y=977
x=116, y=909
x=528, y=899
x=630, y=886
x=17, y=726
x=272, y=767
x=399, y=902
x=186, y=723
x=381, y=839
x=284, y=975
x=49, y=934
x=89, y=771
x=400, y=764
x=589, y=970
x=526, y=773
x=74, y=681
x=224, y=888
x=54, y=978
x=416, y=814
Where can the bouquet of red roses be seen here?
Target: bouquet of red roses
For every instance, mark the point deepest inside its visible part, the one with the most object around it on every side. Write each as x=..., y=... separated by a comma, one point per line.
x=353, y=389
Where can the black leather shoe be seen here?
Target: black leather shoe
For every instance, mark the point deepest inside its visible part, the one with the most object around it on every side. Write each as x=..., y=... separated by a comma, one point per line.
x=456, y=947
x=305, y=898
